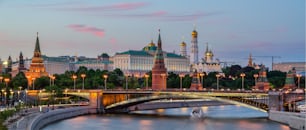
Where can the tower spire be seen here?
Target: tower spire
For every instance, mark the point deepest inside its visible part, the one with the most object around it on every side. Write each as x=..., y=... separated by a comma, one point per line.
x=159, y=44
x=37, y=47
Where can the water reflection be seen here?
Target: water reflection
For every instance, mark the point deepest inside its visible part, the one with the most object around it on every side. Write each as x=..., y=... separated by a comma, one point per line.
x=218, y=118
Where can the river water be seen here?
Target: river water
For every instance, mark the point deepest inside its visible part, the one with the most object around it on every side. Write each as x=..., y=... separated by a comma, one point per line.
x=227, y=117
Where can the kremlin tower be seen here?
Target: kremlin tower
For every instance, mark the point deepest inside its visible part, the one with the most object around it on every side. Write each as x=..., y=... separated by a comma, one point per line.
x=37, y=67
x=194, y=48
x=159, y=71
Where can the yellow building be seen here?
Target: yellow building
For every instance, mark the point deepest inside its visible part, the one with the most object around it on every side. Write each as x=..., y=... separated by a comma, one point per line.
x=37, y=68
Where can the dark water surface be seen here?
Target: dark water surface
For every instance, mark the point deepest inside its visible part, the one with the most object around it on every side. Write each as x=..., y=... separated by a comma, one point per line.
x=229, y=117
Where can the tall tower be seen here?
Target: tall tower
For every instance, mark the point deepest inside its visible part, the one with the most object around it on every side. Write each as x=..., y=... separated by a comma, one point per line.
x=194, y=47
x=159, y=71
x=9, y=65
x=21, y=62
x=37, y=67
x=183, y=50
x=250, y=62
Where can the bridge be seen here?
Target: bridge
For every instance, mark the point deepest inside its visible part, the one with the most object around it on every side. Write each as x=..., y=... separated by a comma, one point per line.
x=131, y=100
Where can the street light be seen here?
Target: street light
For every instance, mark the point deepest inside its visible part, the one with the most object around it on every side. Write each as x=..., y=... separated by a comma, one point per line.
x=242, y=81
x=164, y=80
x=74, y=77
x=83, y=77
x=1, y=78
x=29, y=79
x=255, y=76
x=105, y=79
x=218, y=76
x=147, y=80
x=181, y=81
x=50, y=77
x=202, y=78
x=6, y=80
x=299, y=78
x=126, y=81
x=53, y=78
x=33, y=82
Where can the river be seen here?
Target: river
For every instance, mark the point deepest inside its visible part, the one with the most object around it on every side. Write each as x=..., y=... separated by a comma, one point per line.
x=227, y=117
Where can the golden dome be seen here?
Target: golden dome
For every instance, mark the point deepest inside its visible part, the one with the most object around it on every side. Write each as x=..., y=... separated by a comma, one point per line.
x=194, y=33
x=183, y=44
x=151, y=44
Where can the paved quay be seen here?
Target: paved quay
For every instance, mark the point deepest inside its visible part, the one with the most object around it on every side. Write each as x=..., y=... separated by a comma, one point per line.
x=23, y=119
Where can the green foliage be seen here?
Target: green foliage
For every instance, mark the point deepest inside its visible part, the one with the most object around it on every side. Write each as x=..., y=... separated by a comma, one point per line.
x=19, y=80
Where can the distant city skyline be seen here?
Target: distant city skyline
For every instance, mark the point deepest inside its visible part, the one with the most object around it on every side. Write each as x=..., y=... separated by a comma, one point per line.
x=233, y=29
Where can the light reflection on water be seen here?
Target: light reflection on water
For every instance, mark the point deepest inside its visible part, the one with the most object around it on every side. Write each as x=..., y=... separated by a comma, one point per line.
x=229, y=117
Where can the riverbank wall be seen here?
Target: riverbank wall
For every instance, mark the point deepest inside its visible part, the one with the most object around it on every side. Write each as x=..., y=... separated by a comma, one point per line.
x=294, y=120
x=46, y=118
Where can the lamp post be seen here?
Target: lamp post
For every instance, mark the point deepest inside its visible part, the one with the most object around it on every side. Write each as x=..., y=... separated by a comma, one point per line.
x=164, y=80
x=53, y=78
x=74, y=77
x=83, y=77
x=11, y=102
x=218, y=76
x=181, y=81
x=26, y=92
x=255, y=76
x=242, y=81
x=2, y=95
x=126, y=81
x=1, y=78
x=147, y=80
x=105, y=79
x=6, y=80
x=5, y=99
x=299, y=80
x=66, y=90
x=29, y=79
x=202, y=78
x=33, y=82
x=50, y=77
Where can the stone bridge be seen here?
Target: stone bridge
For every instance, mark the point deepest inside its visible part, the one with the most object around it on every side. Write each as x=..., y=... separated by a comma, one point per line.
x=123, y=101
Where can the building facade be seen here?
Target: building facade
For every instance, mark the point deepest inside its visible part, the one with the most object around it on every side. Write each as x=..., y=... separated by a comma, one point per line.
x=287, y=66
x=141, y=61
x=208, y=64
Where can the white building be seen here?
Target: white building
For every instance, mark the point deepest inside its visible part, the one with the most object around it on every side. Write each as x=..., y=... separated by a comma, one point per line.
x=208, y=64
x=300, y=67
x=141, y=61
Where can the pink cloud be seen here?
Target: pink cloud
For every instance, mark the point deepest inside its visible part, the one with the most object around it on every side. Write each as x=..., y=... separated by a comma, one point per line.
x=83, y=28
x=113, y=7
x=165, y=16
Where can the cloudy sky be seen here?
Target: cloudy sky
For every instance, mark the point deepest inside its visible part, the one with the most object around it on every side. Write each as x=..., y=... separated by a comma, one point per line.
x=233, y=28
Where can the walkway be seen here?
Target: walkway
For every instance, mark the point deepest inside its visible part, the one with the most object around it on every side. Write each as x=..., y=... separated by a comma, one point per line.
x=23, y=119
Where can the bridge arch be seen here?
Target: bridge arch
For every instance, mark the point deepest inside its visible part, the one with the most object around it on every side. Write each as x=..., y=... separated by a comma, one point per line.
x=122, y=106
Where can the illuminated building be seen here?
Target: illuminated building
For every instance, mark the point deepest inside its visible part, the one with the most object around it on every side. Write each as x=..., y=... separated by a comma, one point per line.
x=37, y=68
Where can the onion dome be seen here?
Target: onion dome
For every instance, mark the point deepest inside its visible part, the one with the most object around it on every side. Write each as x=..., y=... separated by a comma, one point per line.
x=194, y=33
x=183, y=44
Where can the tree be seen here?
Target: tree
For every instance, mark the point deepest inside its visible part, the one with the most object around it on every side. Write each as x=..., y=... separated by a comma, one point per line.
x=20, y=80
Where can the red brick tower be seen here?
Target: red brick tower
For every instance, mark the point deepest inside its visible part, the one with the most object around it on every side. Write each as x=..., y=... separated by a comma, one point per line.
x=159, y=70
x=195, y=82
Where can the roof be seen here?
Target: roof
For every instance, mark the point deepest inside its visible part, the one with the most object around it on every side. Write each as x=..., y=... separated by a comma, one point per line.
x=134, y=52
x=173, y=55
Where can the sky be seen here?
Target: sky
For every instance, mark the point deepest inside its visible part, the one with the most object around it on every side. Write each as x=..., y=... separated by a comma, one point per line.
x=232, y=28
